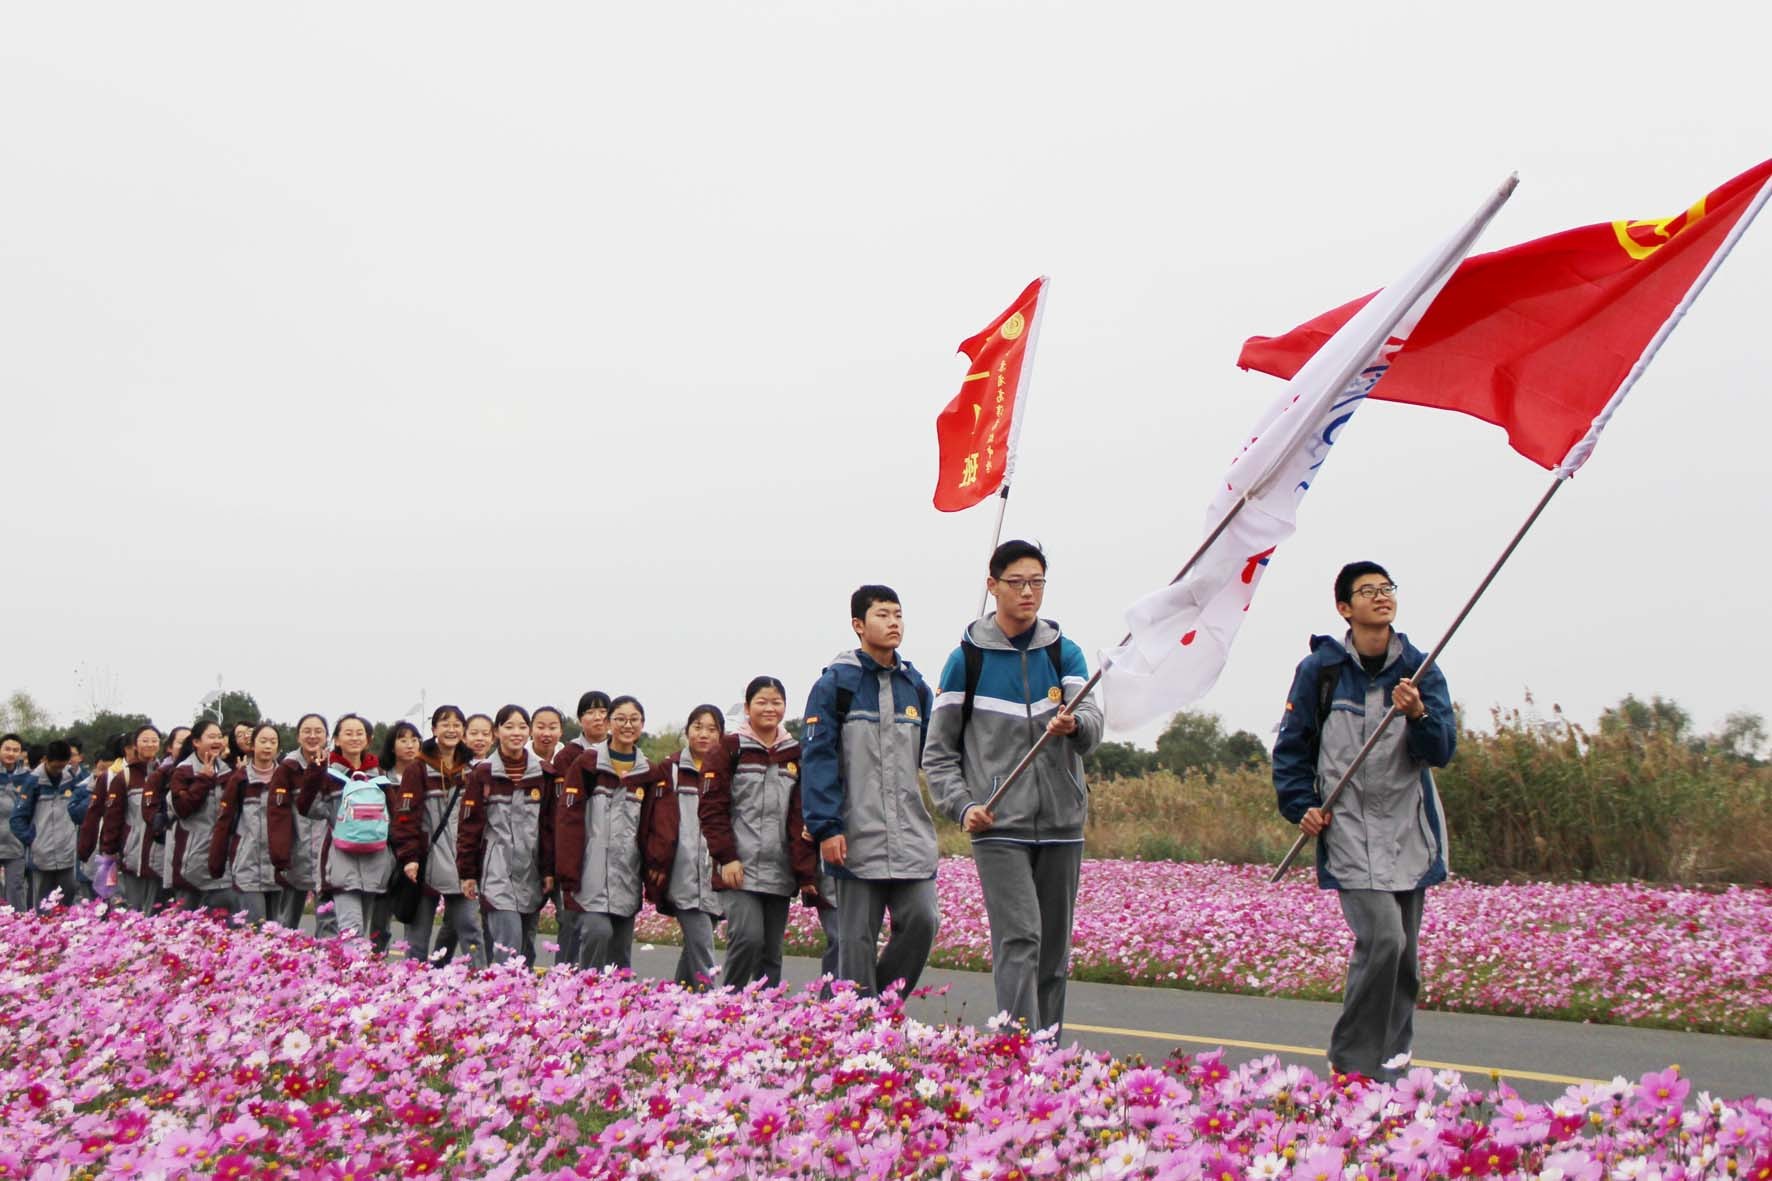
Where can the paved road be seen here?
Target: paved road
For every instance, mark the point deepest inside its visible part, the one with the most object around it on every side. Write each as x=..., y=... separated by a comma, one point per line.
x=1538, y=1058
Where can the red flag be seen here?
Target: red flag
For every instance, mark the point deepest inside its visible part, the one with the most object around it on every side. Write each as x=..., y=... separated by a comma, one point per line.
x=1537, y=338
x=977, y=430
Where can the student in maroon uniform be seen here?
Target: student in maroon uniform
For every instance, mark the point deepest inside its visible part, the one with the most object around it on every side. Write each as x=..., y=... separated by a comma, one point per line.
x=677, y=869
x=240, y=845
x=126, y=834
x=480, y=736
x=357, y=879
x=596, y=841
x=427, y=812
x=294, y=838
x=593, y=729
x=750, y=815
x=195, y=796
x=505, y=849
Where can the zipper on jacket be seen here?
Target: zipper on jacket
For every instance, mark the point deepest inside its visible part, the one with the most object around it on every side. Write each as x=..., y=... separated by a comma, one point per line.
x=1027, y=701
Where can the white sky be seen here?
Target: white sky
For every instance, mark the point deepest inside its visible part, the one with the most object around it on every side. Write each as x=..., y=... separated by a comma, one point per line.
x=352, y=351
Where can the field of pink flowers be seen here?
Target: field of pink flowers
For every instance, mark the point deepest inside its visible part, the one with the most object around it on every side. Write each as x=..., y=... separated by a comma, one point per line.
x=1622, y=954
x=177, y=1047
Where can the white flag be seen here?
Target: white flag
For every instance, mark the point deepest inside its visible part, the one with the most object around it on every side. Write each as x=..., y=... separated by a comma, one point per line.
x=1180, y=636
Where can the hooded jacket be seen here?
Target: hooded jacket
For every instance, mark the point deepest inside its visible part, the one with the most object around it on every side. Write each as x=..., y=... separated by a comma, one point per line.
x=240, y=845
x=126, y=834
x=48, y=814
x=13, y=785
x=1018, y=692
x=506, y=838
x=196, y=801
x=424, y=795
x=98, y=806
x=1389, y=831
x=859, y=774
x=293, y=837
x=750, y=813
x=597, y=834
x=676, y=866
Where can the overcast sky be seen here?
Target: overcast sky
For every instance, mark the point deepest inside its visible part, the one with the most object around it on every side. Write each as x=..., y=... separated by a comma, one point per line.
x=354, y=352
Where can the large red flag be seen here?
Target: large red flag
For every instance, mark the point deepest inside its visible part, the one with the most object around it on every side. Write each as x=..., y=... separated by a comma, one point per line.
x=1536, y=338
x=977, y=430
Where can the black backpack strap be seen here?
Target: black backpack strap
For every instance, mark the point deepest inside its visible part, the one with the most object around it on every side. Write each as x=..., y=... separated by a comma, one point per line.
x=1327, y=678
x=973, y=656
x=840, y=710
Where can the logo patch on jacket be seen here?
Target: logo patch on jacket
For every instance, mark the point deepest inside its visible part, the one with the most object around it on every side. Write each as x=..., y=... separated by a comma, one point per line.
x=793, y=768
x=535, y=793
x=1055, y=694
x=910, y=711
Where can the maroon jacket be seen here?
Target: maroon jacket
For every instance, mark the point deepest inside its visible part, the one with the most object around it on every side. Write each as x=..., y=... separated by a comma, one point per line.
x=406, y=832
x=190, y=788
x=95, y=816
x=716, y=810
x=572, y=795
x=661, y=824
x=470, y=833
x=116, y=820
x=288, y=784
x=154, y=786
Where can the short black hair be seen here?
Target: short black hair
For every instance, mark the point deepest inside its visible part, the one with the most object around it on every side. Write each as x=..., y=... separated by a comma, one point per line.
x=758, y=684
x=628, y=699
x=58, y=751
x=5, y=738
x=866, y=596
x=1344, y=582
x=594, y=699
x=1011, y=552
x=74, y=744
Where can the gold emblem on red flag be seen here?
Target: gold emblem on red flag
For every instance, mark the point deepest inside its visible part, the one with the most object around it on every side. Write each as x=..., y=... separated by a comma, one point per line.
x=1640, y=239
x=1013, y=326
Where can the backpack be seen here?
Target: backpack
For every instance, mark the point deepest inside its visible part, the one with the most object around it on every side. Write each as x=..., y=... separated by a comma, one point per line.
x=362, y=823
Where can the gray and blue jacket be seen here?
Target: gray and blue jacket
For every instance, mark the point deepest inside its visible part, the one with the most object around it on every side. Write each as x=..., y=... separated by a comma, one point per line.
x=13, y=785
x=1389, y=830
x=865, y=729
x=48, y=814
x=1018, y=691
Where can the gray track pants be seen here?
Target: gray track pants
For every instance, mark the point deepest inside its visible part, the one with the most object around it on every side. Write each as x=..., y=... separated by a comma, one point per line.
x=139, y=894
x=755, y=925
x=1378, y=1005
x=18, y=883
x=1030, y=897
x=363, y=913
x=461, y=928
x=258, y=905
x=510, y=933
x=695, y=967
x=43, y=881
x=861, y=905
x=604, y=940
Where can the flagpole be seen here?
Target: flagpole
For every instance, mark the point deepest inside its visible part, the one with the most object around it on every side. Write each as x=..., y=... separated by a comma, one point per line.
x=1571, y=463
x=1022, y=389
x=1070, y=706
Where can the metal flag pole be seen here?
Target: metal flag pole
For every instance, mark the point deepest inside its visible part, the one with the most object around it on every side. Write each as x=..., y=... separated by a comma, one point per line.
x=1022, y=391
x=1571, y=463
x=1094, y=680
x=1415, y=677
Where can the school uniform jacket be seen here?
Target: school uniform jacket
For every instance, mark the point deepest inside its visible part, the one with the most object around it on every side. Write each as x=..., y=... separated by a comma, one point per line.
x=424, y=792
x=47, y=817
x=365, y=873
x=597, y=834
x=93, y=822
x=125, y=834
x=240, y=846
x=677, y=869
x=13, y=784
x=506, y=838
x=196, y=801
x=750, y=813
x=294, y=838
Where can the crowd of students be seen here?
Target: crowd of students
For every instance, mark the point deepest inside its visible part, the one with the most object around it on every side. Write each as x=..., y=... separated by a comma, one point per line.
x=490, y=817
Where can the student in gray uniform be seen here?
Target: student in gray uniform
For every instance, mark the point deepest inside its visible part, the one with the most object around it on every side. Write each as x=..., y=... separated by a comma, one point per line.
x=426, y=815
x=1385, y=842
x=195, y=796
x=750, y=816
x=866, y=720
x=294, y=837
x=240, y=846
x=504, y=850
x=46, y=821
x=355, y=861
x=1000, y=689
x=678, y=869
x=141, y=859
x=15, y=777
x=597, y=808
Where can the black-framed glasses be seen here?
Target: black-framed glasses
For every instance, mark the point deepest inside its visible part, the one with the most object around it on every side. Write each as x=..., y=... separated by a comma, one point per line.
x=1387, y=589
x=1023, y=584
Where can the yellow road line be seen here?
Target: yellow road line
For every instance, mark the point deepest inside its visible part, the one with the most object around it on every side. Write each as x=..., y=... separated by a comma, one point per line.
x=1308, y=1051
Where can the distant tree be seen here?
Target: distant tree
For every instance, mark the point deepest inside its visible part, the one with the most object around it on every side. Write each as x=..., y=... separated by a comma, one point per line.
x=1743, y=737
x=660, y=746
x=236, y=705
x=1119, y=760
x=1658, y=716
x=1242, y=749
x=1192, y=741
x=97, y=730
x=20, y=713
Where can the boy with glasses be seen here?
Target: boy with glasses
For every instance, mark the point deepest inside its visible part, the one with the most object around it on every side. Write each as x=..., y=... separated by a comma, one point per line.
x=1000, y=688
x=1385, y=843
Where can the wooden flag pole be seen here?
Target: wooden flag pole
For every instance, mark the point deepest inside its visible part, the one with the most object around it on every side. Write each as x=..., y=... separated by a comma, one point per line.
x=1022, y=389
